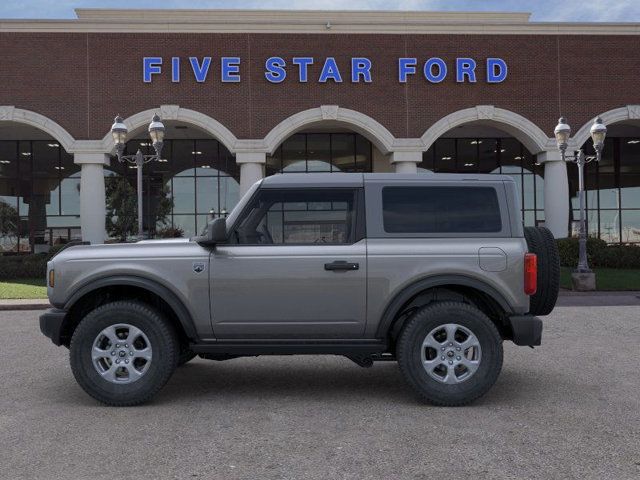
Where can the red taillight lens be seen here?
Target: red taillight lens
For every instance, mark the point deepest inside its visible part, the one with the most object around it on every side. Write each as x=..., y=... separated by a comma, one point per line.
x=530, y=273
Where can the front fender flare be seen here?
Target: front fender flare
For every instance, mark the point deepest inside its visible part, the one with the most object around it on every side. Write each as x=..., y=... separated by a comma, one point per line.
x=181, y=311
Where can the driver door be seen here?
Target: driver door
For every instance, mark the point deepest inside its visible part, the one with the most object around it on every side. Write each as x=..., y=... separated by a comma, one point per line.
x=295, y=267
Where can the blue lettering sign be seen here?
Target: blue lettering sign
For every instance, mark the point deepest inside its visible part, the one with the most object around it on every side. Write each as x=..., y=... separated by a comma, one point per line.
x=330, y=71
x=406, y=66
x=496, y=70
x=175, y=69
x=275, y=69
x=230, y=67
x=150, y=66
x=303, y=66
x=428, y=70
x=200, y=71
x=434, y=69
x=465, y=67
x=360, y=67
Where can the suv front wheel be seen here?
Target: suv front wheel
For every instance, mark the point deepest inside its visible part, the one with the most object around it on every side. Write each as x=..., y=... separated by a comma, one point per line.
x=450, y=353
x=123, y=352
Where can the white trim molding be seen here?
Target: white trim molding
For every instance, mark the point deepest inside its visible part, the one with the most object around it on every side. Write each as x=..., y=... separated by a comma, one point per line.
x=177, y=113
x=374, y=131
x=617, y=115
x=312, y=21
x=9, y=113
x=512, y=123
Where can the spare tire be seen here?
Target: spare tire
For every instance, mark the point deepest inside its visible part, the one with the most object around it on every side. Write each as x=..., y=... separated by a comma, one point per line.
x=541, y=242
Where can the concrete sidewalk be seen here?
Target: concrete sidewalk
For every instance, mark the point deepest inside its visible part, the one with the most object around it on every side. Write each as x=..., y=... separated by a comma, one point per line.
x=567, y=298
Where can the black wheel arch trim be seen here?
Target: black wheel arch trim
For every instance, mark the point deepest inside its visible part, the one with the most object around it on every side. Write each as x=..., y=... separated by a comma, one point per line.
x=411, y=290
x=182, y=313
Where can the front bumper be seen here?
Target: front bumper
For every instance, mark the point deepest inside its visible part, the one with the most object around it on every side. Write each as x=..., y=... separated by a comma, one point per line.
x=527, y=330
x=51, y=323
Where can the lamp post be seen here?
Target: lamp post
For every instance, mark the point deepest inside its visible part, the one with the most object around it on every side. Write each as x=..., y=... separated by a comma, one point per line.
x=562, y=133
x=156, y=132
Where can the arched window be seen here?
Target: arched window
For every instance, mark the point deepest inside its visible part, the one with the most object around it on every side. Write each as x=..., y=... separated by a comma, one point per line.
x=39, y=195
x=612, y=188
x=322, y=152
x=199, y=177
x=501, y=155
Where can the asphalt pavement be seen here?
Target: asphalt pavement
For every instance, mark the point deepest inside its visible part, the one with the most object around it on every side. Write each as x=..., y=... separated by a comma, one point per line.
x=568, y=409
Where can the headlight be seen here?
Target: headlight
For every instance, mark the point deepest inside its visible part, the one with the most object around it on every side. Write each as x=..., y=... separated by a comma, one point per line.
x=52, y=278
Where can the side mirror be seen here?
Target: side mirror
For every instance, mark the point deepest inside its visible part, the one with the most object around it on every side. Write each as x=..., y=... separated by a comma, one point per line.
x=216, y=233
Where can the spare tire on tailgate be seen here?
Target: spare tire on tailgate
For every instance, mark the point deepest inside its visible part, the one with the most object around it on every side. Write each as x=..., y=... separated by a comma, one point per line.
x=541, y=242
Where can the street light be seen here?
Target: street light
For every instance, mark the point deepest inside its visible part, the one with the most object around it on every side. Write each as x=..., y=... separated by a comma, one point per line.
x=156, y=132
x=598, y=133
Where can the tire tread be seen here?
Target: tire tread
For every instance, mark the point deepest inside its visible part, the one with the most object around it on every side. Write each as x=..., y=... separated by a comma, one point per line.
x=166, y=330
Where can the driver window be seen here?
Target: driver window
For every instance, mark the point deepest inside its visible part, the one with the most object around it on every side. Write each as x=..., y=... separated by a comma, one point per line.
x=302, y=217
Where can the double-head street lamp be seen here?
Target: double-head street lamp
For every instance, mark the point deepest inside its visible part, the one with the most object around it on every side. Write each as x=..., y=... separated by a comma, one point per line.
x=156, y=132
x=598, y=133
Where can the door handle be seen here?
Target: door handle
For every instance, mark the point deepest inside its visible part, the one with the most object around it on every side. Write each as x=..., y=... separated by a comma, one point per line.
x=341, y=265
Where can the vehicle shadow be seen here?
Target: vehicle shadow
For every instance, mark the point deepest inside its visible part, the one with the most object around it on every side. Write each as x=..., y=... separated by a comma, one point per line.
x=311, y=379
x=319, y=379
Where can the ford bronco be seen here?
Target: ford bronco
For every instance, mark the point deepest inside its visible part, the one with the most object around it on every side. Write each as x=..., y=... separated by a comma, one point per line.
x=433, y=271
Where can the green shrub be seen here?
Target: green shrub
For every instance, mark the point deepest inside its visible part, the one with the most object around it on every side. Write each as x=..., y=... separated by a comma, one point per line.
x=170, y=232
x=26, y=266
x=619, y=256
x=599, y=254
x=569, y=249
x=23, y=266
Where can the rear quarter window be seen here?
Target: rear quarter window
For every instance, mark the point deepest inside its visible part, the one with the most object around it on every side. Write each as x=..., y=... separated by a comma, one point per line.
x=444, y=209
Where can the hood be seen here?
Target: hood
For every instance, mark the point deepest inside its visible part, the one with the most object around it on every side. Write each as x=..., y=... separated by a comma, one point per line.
x=144, y=248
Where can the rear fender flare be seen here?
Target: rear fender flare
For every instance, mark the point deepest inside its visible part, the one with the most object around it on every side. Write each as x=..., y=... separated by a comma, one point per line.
x=393, y=307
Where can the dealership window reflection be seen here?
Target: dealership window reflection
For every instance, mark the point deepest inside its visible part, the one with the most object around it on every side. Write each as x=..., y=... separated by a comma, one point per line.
x=39, y=196
x=199, y=176
x=612, y=191
x=505, y=156
x=321, y=152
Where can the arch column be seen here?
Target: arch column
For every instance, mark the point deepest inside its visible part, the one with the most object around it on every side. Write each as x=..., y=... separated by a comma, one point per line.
x=251, y=168
x=406, y=161
x=92, y=196
x=556, y=193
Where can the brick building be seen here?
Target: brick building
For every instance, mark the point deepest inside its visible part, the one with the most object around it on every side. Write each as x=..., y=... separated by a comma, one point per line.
x=245, y=94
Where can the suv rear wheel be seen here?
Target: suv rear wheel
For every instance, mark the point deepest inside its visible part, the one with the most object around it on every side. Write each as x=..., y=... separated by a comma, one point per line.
x=123, y=352
x=450, y=353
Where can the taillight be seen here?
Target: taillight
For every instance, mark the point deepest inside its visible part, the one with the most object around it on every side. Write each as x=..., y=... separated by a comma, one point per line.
x=530, y=273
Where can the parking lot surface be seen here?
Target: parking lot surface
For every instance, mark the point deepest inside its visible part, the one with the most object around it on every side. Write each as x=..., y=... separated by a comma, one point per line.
x=568, y=409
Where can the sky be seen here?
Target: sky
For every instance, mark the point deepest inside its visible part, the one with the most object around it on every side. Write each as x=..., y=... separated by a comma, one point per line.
x=542, y=10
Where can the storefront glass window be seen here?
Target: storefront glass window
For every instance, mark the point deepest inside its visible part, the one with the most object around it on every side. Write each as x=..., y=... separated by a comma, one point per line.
x=39, y=196
x=195, y=180
x=505, y=156
x=612, y=191
x=321, y=152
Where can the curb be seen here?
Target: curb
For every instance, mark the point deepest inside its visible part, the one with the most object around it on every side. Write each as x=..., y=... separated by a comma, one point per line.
x=7, y=307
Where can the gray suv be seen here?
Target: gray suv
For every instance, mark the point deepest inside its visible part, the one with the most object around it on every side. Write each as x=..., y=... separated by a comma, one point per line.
x=432, y=271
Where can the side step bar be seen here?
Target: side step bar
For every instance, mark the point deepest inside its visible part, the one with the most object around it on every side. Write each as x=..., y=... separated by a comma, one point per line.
x=291, y=347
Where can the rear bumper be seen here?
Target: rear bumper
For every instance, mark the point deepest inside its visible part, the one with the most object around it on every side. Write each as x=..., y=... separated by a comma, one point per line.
x=51, y=324
x=527, y=330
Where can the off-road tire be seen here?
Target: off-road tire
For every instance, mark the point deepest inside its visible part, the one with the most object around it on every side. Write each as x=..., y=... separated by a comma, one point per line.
x=155, y=326
x=409, y=345
x=540, y=241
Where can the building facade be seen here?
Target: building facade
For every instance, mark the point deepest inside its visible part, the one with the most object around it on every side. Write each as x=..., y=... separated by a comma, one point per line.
x=245, y=94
